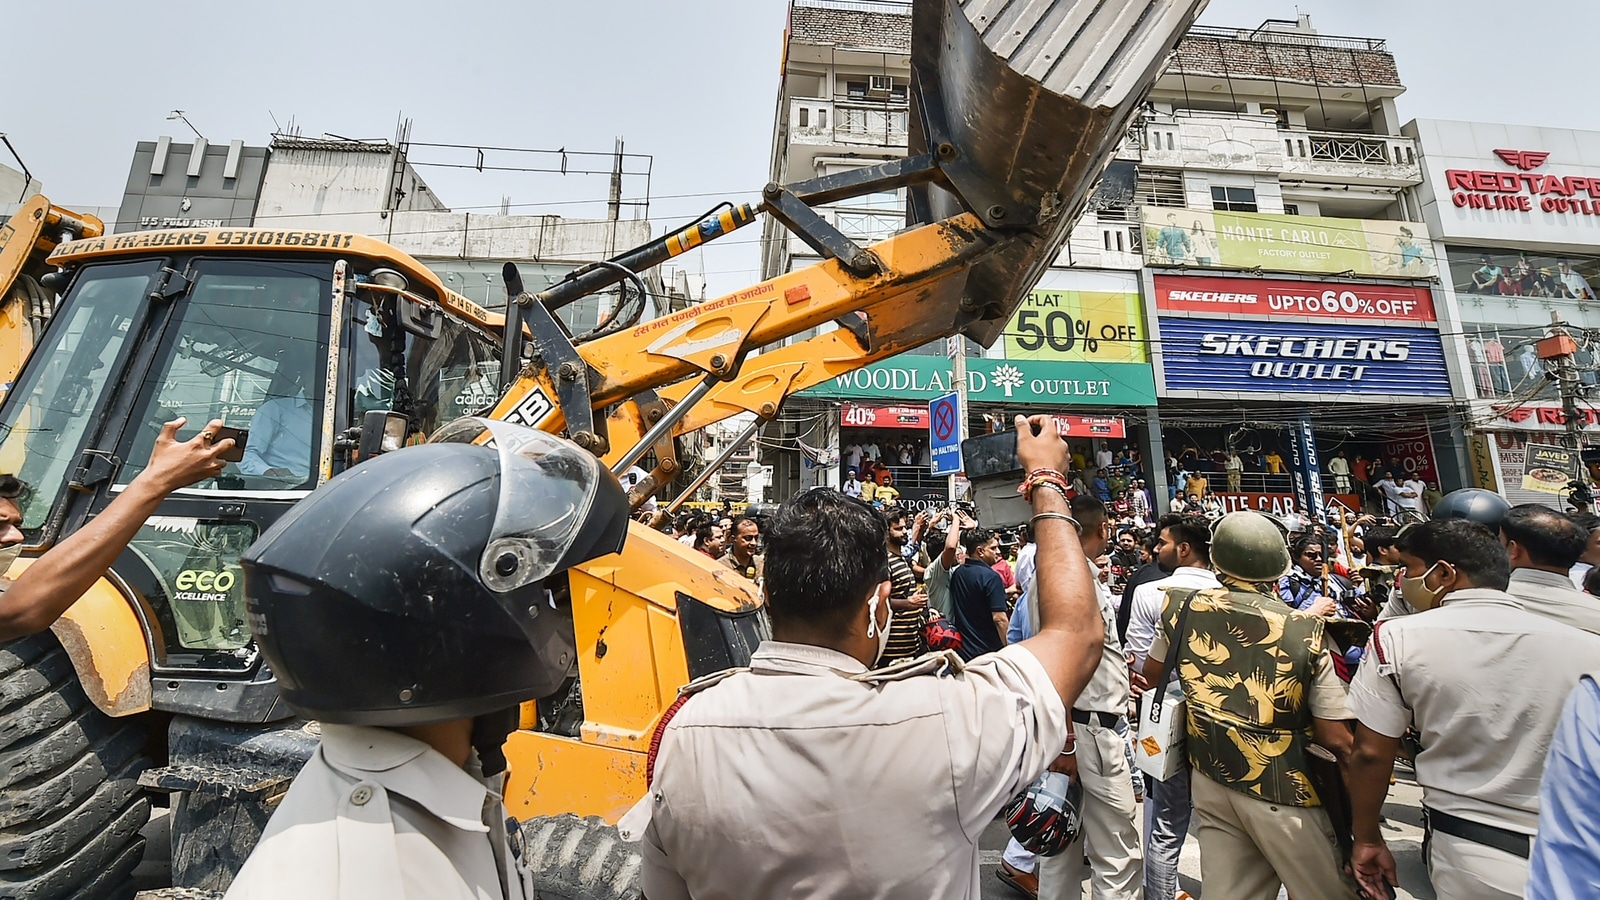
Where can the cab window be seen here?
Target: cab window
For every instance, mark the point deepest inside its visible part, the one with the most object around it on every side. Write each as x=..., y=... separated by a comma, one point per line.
x=248, y=346
x=431, y=381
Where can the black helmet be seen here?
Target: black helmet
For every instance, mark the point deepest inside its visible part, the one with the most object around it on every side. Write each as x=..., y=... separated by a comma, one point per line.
x=410, y=589
x=1484, y=507
x=1046, y=818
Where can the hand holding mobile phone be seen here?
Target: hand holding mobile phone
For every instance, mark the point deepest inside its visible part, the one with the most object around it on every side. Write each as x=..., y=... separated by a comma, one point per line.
x=240, y=437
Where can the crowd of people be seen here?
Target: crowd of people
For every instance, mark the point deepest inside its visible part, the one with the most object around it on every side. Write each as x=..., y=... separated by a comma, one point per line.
x=1383, y=487
x=964, y=671
x=1313, y=659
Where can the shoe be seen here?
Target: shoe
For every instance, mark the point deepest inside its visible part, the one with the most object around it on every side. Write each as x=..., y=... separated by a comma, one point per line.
x=1182, y=895
x=1025, y=883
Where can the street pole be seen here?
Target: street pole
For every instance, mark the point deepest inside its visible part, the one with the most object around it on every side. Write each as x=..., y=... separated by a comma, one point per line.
x=955, y=346
x=1568, y=383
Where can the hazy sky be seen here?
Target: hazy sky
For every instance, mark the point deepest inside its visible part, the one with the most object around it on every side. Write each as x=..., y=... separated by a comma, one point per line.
x=692, y=84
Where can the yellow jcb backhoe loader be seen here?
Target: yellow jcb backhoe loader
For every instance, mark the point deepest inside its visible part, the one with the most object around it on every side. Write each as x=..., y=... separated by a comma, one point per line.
x=1018, y=106
x=26, y=303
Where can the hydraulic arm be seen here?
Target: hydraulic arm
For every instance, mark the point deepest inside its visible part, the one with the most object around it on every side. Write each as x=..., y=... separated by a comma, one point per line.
x=991, y=200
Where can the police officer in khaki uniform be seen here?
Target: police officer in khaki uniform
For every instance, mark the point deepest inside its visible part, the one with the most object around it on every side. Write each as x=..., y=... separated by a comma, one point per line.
x=402, y=798
x=1097, y=755
x=810, y=775
x=1482, y=680
x=1260, y=686
x=1544, y=544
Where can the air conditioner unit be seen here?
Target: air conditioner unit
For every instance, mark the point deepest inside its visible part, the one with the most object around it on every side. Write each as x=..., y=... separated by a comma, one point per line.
x=880, y=84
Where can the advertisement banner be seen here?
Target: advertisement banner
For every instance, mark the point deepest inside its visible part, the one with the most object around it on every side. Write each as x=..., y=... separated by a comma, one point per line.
x=854, y=415
x=1287, y=357
x=1483, y=469
x=1088, y=326
x=1283, y=243
x=1091, y=426
x=1020, y=383
x=1267, y=298
x=1548, y=468
x=1411, y=453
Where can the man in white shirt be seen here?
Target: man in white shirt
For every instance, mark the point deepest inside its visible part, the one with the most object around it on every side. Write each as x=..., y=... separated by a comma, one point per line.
x=1543, y=545
x=1184, y=548
x=1102, y=458
x=1575, y=283
x=1411, y=491
x=1339, y=468
x=1235, y=469
x=1390, y=491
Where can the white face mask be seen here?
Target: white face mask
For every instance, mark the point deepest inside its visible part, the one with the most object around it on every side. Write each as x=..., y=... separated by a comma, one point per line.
x=873, y=629
x=8, y=555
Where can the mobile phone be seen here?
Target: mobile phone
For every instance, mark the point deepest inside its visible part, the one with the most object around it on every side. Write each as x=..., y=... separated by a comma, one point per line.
x=240, y=437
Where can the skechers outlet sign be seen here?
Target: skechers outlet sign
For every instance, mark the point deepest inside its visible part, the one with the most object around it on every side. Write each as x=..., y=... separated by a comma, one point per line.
x=1286, y=357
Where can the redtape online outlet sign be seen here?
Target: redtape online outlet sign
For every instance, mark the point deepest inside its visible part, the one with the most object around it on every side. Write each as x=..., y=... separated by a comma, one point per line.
x=1267, y=298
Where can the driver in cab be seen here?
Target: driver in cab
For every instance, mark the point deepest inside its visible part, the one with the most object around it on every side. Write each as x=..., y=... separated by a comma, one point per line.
x=280, y=431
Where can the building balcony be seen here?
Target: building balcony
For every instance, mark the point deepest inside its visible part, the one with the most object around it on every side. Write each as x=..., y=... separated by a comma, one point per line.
x=1256, y=143
x=840, y=123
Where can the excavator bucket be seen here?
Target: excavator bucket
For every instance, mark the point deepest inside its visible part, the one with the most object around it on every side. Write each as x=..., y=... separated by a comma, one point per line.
x=1023, y=103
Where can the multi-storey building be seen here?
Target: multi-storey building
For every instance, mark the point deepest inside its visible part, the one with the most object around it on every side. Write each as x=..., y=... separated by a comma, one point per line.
x=1267, y=270
x=1516, y=213
x=844, y=102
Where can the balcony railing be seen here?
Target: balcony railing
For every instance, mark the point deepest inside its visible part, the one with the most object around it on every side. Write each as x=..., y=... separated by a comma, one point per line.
x=818, y=121
x=1379, y=150
x=1267, y=35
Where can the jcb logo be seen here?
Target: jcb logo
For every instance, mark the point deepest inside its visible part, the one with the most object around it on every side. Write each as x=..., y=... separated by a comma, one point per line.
x=204, y=580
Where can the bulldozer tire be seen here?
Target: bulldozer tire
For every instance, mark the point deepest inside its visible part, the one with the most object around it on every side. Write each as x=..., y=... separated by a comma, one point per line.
x=70, y=804
x=575, y=858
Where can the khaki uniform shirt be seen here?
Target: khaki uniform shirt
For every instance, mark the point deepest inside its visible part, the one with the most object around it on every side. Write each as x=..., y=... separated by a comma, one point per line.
x=1550, y=594
x=375, y=813
x=1107, y=691
x=752, y=571
x=1482, y=680
x=807, y=776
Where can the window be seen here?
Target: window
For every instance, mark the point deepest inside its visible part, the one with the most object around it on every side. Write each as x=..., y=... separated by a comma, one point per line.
x=456, y=374
x=55, y=400
x=822, y=118
x=1158, y=187
x=1233, y=199
x=1291, y=209
x=805, y=116
x=248, y=346
x=856, y=89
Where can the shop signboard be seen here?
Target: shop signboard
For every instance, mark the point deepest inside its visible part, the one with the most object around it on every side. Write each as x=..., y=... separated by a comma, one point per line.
x=1483, y=468
x=1276, y=504
x=1531, y=417
x=1019, y=383
x=1260, y=298
x=856, y=415
x=1495, y=183
x=1213, y=355
x=1282, y=243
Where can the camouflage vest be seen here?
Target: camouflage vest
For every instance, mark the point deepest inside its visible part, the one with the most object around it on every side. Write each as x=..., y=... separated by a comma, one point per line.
x=1246, y=672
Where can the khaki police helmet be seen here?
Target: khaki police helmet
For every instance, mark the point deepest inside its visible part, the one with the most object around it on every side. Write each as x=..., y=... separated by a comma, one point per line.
x=1249, y=546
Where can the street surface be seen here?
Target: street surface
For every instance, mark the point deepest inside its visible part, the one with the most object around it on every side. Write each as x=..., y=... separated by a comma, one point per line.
x=1403, y=831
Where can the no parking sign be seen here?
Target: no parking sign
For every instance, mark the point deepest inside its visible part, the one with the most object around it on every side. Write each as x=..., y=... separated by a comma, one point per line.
x=944, y=434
